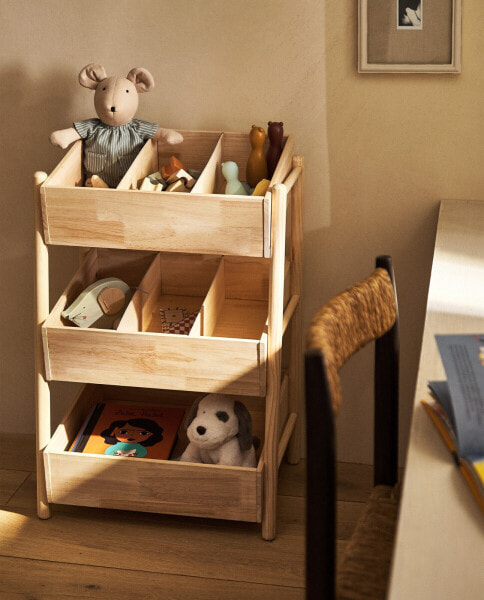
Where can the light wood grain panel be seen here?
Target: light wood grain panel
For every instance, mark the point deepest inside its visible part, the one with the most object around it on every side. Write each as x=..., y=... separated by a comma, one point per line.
x=41, y=311
x=242, y=319
x=194, y=152
x=68, y=173
x=153, y=486
x=276, y=307
x=247, y=278
x=200, y=223
x=206, y=182
x=296, y=392
x=144, y=164
x=154, y=360
x=214, y=302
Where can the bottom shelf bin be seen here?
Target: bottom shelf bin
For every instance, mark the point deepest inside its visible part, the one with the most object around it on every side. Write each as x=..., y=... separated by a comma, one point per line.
x=142, y=484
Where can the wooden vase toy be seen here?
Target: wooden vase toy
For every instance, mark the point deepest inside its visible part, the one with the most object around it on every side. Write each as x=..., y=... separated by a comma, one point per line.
x=275, y=131
x=230, y=171
x=256, y=163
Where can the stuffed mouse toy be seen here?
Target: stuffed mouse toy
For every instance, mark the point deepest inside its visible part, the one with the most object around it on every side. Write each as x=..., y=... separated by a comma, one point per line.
x=112, y=141
x=220, y=433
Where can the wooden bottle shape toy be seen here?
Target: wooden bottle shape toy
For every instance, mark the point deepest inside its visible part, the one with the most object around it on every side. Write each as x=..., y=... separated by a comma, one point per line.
x=256, y=164
x=275, y=131
x=230, y=171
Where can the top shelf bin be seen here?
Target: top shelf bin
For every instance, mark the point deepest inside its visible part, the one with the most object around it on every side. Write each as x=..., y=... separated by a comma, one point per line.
x=205, y=221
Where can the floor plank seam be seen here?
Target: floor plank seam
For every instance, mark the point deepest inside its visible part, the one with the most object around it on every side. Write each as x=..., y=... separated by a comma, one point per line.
x=170, y=574
x=18, y=487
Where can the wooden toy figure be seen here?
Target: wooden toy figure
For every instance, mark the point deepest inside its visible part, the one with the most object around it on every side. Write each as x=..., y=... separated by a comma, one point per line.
x=256, y=164
x=230, y=171
x=275, y=131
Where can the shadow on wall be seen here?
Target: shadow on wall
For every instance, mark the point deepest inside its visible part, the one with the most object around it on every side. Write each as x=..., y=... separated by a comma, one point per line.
x=32, y=106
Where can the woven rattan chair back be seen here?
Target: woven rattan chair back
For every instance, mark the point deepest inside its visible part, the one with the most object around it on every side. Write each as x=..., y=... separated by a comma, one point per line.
x=365, y=312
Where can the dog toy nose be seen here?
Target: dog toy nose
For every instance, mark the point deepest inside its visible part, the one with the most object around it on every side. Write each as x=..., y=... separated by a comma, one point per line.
x=113, y=109
x=201, y=430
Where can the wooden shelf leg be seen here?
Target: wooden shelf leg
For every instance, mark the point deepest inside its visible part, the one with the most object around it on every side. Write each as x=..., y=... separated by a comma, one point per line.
x=296, y=396
x=274, y=343
x=42, y=390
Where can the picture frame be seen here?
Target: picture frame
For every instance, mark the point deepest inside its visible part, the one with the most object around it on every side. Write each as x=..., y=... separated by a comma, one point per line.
x=409, y=36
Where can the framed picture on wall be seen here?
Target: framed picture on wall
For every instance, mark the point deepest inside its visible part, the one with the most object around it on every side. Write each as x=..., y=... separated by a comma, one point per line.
x=409, y=36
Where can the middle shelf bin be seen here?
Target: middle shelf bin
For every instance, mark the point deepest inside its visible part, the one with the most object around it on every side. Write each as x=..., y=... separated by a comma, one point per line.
x=223, y=349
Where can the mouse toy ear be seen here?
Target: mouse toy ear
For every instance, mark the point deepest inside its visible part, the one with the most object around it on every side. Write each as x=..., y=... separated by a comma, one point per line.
x=91, y=75
x=142, y=79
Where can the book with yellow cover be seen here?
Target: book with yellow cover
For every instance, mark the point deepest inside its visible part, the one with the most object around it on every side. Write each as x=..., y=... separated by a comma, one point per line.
x=457, y=407
x=129, y=430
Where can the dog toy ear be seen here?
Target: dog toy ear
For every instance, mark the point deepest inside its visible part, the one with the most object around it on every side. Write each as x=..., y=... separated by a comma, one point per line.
x=192, y=413
x=142, y=79
x=92, y=75
x=245, y=426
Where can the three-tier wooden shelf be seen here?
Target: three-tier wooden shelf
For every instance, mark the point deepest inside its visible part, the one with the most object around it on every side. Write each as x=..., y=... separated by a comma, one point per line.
x=236, y=259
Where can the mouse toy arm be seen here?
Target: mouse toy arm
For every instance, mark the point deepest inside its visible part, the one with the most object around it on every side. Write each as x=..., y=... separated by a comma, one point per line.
x=170, y=135
x=64, y=137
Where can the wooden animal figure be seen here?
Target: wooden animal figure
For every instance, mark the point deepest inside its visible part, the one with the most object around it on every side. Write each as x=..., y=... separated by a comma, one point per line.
x=100, y=305
x=275, y=131
x=256, y=164
x=230, y=171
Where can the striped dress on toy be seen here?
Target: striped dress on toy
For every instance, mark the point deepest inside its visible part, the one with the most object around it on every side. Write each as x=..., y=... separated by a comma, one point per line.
x=109, y=150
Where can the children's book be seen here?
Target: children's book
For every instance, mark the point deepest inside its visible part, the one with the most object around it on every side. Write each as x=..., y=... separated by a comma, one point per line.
x=130, y=430
x=457, y=408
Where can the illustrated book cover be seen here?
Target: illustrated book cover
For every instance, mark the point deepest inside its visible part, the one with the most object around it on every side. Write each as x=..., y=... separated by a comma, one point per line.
x=457, y=408
x=129, y=430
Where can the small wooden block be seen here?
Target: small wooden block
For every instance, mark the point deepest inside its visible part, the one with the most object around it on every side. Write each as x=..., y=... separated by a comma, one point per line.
x=146, y=185
x=178, y=186
x=182, y=174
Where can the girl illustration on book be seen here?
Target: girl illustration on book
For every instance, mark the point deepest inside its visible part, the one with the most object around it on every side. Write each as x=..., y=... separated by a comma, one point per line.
x=131, y=437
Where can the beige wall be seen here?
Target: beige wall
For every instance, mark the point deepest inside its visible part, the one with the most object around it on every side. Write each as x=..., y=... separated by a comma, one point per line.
x=397, y=144
x=218, y=64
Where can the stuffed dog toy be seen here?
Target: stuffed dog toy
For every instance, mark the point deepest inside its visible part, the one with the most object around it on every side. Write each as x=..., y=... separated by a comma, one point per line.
x=112, y=141
x=220, y=433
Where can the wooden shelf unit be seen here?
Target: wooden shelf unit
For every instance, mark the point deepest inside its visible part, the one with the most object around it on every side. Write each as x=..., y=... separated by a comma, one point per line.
x=233, y=259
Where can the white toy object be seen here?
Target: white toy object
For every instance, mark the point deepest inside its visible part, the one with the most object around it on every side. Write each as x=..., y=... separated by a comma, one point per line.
x=100, y=305
x=220, y=433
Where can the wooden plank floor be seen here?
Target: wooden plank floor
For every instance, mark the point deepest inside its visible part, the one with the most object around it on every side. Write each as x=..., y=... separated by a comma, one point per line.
x=97, y=553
